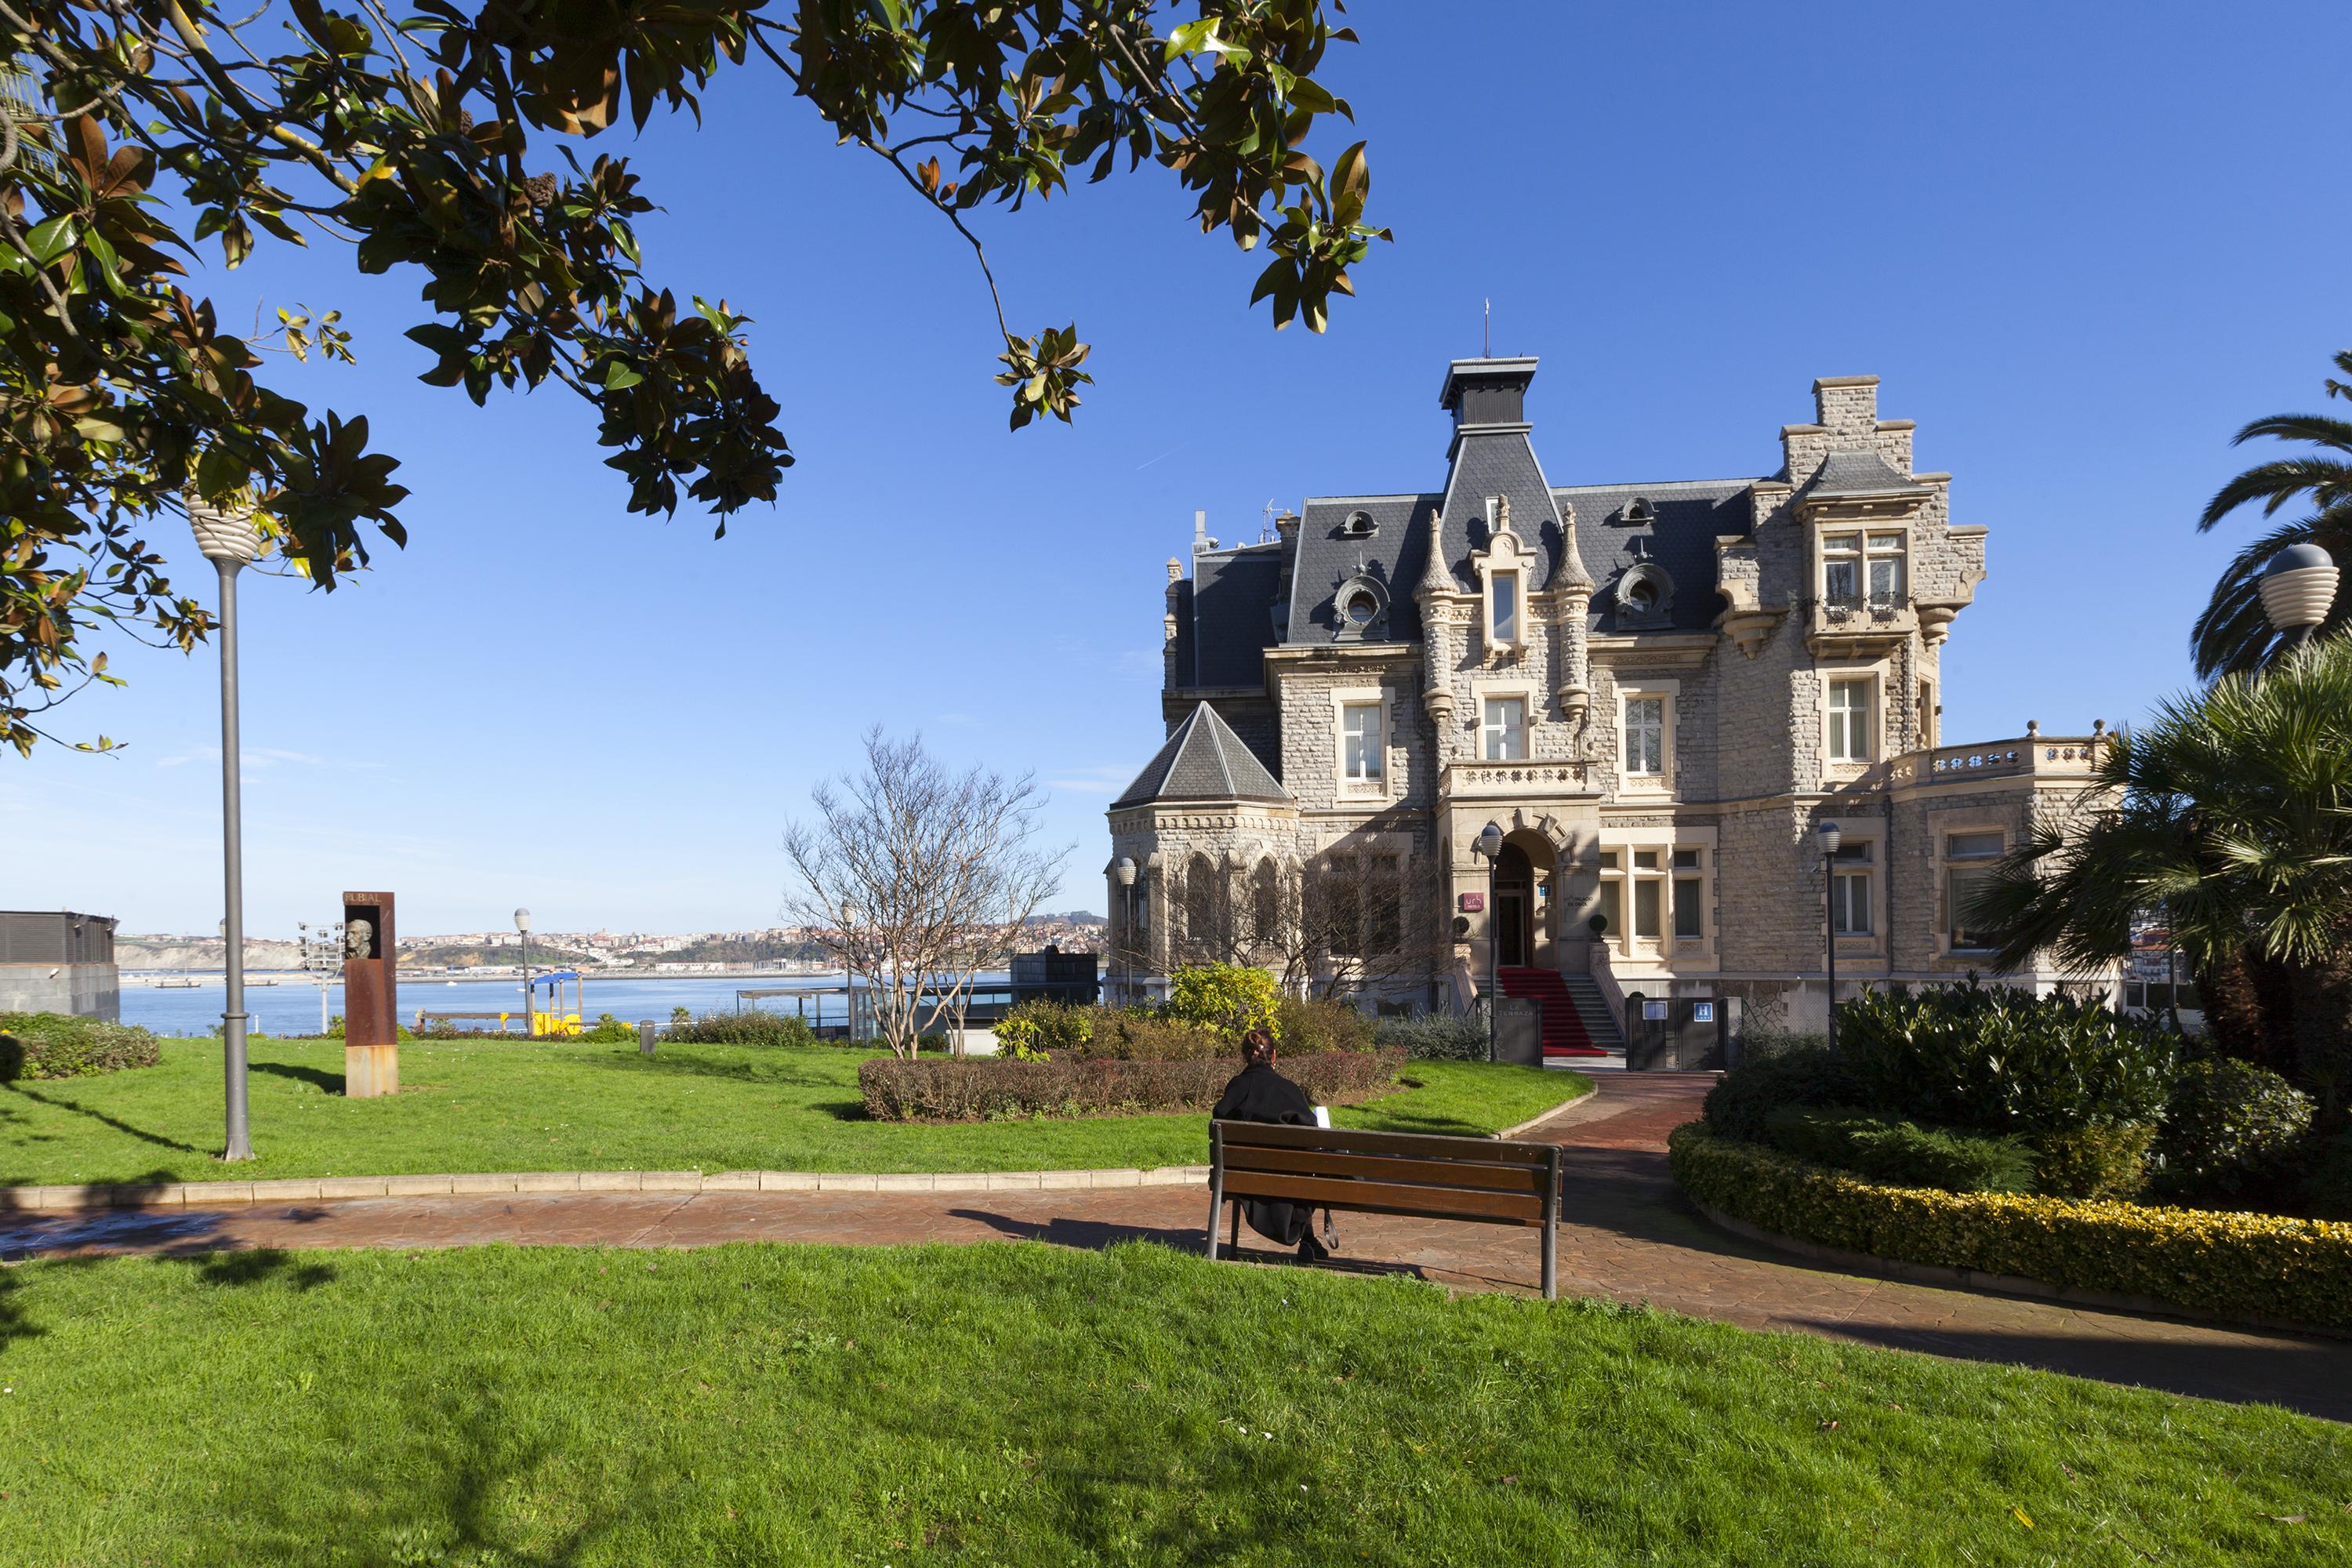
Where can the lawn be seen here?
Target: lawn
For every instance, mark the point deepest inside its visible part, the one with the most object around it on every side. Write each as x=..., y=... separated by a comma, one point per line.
x=468, y=1105
x=1013, y=1404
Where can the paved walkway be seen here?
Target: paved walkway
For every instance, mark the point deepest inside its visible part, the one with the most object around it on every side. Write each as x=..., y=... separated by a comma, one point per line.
x=1625, y=1235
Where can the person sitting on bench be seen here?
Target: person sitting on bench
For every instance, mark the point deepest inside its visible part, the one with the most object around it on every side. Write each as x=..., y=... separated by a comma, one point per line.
x=1259, y=1093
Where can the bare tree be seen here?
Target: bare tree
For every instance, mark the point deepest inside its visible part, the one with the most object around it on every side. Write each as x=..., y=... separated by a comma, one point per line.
x=917, y=878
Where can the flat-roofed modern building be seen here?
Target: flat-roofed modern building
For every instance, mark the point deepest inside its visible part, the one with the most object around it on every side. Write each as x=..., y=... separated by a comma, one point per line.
x=55, y=960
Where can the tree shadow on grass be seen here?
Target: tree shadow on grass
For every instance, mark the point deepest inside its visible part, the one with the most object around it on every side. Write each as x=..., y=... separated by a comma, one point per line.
x=116, y=1122
x=467, y=1496
x=327, y=1082
x=263, y=1266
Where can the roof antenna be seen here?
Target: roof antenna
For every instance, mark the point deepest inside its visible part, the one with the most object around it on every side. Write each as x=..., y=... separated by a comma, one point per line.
x=1487, y=333
x=1266, y=529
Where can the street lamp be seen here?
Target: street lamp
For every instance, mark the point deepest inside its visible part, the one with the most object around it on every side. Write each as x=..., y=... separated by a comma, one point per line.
x=1489, y=843
x=2298, y=588
x=231, y=542
x=1126, y=871
x=522, y=924
x=1831, y=834
x=848, y=971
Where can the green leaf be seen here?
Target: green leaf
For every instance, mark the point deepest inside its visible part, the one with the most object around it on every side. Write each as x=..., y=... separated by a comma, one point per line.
x=619, y=377
x=52, y=238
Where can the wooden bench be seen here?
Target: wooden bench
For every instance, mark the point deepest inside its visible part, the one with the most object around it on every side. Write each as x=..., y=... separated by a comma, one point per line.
x=1427, y=1177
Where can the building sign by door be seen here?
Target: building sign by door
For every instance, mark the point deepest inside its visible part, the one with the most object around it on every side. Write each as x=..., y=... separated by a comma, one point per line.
x=1702, y=1011
x=1653, y=1010
x=1472, y=903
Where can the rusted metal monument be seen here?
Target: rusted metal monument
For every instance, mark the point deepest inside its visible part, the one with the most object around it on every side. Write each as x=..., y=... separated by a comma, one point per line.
x=371, y=998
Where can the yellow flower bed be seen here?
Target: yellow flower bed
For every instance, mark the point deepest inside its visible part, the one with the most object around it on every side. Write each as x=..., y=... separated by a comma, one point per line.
x=2249, y=1265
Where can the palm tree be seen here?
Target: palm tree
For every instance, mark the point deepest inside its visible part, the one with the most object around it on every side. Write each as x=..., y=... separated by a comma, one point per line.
x=2231, y=812
x=2233, y=634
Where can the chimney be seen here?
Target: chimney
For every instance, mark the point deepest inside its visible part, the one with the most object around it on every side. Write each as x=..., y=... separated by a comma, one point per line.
x=1846, y=406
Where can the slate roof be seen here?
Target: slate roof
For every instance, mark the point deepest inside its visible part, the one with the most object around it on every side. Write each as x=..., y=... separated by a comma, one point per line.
x=1686, y=516
x=1857, y=474
x=1203, y=760
x=1231, y=614
x=1226, y=626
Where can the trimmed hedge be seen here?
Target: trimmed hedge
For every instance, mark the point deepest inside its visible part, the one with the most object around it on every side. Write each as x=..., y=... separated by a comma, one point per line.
x=1887, y=1150
x=986, y=1090
x=752, y=1027
x=53, y=1045
x=2247, y=1264
x=1436, y=1037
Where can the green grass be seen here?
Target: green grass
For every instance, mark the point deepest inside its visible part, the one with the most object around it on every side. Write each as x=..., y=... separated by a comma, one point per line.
x=468, y=1105
x=1011, y=1404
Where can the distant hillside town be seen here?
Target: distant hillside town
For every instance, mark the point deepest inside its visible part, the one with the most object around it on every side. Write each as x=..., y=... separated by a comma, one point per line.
x=691, y=953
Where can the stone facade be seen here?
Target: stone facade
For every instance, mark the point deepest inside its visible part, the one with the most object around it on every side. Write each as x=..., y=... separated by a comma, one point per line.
x=1654, y=694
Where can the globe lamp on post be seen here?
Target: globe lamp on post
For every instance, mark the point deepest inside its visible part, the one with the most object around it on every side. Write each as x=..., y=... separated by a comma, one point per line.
x=1831, y=835
x=1125, y=871
x=1489, y=843
x=231, y=542
x=2299, y=589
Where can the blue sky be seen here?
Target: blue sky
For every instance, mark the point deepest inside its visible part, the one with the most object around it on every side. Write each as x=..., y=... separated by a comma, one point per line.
x=2080, y=243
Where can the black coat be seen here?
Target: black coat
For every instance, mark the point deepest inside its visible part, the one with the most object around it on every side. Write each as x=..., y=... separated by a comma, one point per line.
x=1259, y=1093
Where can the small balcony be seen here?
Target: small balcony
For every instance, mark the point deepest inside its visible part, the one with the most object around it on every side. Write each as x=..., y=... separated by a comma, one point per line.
x=2032, y=754
x=1482, y=780
x=1847, y=626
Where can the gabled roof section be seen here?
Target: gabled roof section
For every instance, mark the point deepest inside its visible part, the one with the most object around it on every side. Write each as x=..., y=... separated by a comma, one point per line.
x=1235, y=593
x=1203, y=760
x=1860, y=475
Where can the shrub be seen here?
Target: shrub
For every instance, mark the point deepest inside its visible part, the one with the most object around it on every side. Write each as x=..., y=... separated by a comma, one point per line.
x=750, y=1028
x=609, y=1030
x=1799, y=1075
x=1229, y=999
x=54, y=1045
x=984, y=1089
x=2327, y=1188
x=1435, y=1037
x=2230, y=1131
x=1897, y=1151
x=1999, y=1059
x=1303, y=1028
x=1760, y=1040
x=1034, y=1030
x=2093, y=1162
x=1143, y=1035
x=2243, y=1264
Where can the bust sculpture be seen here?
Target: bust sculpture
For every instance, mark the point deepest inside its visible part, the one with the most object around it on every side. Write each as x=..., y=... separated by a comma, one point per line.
x=359, y=938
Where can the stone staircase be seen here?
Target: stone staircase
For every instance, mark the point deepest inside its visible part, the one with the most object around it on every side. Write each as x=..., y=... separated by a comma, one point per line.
x=1601, y=1026
x=1566, y=1032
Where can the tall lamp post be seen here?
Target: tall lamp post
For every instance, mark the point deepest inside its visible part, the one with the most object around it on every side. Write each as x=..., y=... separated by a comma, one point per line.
x=2298, y=588
x=231, y=542
x=522, y=924
x=1829, y=834
x=1489, y=843
x=849, y=969
x=1126, y=873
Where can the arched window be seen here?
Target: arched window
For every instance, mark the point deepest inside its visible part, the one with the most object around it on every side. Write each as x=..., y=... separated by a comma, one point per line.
x=1645, y=596
x=1201, y=901
x=1265, y=905
x=1359, y=610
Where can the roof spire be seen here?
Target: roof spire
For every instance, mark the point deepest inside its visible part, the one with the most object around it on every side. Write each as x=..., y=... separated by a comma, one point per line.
x=1436, y=577
x=1572, y=574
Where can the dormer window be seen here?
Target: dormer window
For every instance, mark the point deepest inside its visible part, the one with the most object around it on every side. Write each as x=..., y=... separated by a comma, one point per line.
x=1359, y=610
x=1645, y=596
x=1505, y=596
x=1637, y=513
x=1359, y=525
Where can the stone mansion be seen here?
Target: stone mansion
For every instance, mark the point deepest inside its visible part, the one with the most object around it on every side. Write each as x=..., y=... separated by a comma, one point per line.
x=1652, y=692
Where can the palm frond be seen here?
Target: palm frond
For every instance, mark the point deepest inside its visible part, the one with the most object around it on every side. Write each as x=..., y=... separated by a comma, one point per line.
x=2326, y=480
